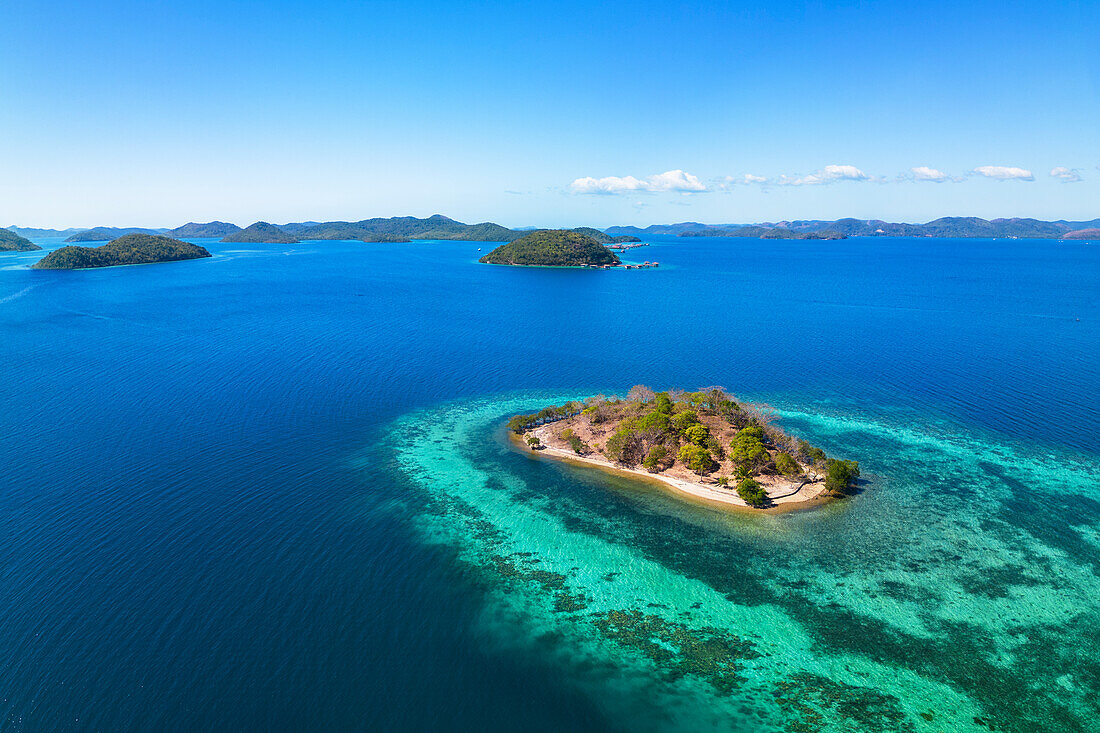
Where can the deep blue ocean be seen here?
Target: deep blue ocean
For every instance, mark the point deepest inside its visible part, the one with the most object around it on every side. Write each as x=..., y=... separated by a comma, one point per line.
x=270, y=490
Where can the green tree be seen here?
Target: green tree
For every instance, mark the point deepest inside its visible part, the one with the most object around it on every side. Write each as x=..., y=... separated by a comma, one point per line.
x=840, y=475
x=654, y=424
x=696, y=458
x=519, y=423
x=662, y=403
x=787, y=465
x=655, y=458
x=746, y=448
x=752, y=492
x=698, y=434
x=534, y=442
x=684, y=420
x=625, y=446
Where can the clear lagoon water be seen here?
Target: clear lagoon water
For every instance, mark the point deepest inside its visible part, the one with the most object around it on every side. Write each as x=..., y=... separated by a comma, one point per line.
x=271, y=490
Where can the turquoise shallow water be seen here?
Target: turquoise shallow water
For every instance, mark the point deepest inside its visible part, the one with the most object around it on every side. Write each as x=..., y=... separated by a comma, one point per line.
x=924, y=603
x=270, y=489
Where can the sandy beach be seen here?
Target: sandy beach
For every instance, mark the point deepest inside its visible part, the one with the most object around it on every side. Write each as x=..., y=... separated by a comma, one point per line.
x=782, y=494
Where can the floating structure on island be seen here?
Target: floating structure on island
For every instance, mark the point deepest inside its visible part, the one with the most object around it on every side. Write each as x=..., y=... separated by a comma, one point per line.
x=620, y=247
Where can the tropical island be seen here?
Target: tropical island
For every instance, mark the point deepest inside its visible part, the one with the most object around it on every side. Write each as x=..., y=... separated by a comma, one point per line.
x=553, y=248
x=705, y=444
x=12, y=242
x=130, y=249
x=261, y=233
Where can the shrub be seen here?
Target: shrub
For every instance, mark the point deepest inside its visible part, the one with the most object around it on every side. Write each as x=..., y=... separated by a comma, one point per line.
x=579, y=446
x=534, y=442
x=752, y=492
x=655, y=459
x=840, y=475
x=662, y=403
x=696, y=458
x=787, y=465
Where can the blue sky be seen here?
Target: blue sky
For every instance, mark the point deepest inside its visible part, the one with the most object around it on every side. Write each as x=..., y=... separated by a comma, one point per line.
x=138, y=113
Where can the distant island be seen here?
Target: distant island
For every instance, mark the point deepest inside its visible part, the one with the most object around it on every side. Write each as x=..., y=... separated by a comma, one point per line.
x=193, y=230
x=1084, y=234
x=130, y=249
x=764, y=233
x=402, y=229
x=261, y=233
x=705, y=444
x=553, y=248
x=103, y=234
x=604, y=238
x=12, y=242
x=439, y=227
x=948, y=226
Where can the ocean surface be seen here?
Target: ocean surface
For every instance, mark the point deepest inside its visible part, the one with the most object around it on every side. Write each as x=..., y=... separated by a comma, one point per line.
x=270, y=490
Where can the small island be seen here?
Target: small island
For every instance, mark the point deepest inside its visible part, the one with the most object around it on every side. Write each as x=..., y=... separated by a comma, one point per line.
x=261, y=233
x=705, y=444
x=130, y=249
x=553, y=248
x=12, y=242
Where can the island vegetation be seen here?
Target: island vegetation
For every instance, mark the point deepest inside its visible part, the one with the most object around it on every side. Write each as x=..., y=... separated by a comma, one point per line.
x=104, y=234
x=705, y=443
x=130, y=249
x=12, y=242
x=554, y=248
x=261, y=233
x=194, y=230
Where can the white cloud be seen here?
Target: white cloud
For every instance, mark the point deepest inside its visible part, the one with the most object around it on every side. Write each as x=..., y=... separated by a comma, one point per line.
x=676, y=180
x=726, y=183
x=924, y=173
x=1004, y=173
x=829, y=174
x=1068, y=175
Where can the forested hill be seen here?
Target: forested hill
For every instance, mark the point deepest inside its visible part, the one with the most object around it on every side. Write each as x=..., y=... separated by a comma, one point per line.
x=403, y=228
x=12, y=242
x=194, y=230
x=261, y=232
x=131, y=249
x=553, y=247
x=103, y=234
